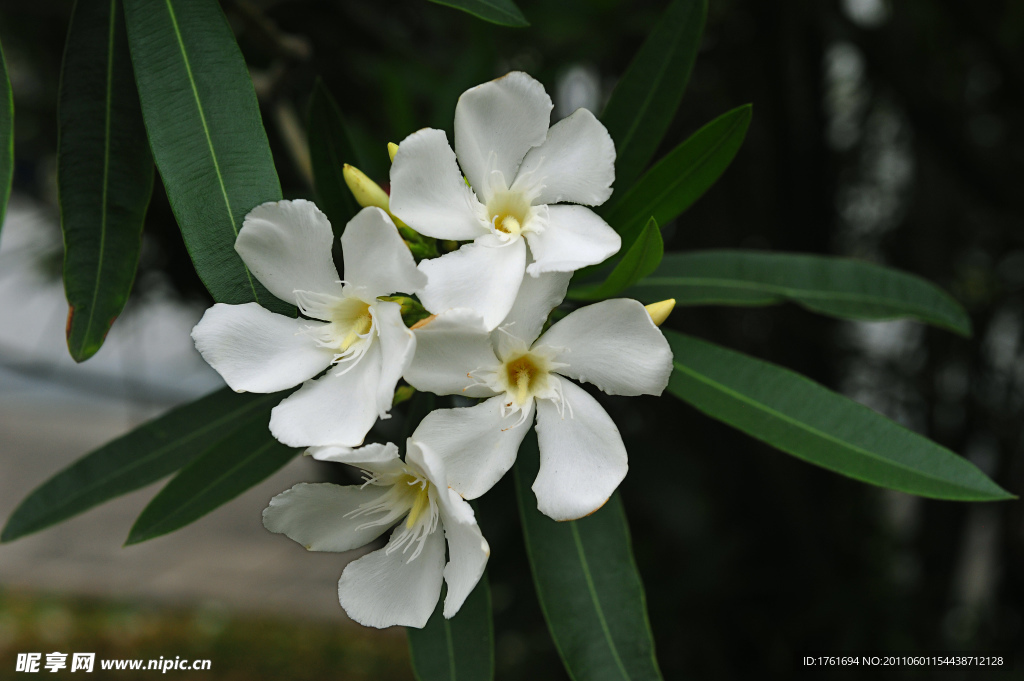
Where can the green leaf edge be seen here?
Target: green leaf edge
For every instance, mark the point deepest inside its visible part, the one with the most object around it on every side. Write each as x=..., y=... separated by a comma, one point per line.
x=513, y=20
x=6, y=537
x=629, y=270
x=853, y=404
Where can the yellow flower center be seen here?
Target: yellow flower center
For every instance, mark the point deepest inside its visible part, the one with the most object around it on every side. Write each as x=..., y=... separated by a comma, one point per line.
x=352, y=320
x=523, y=375
x=509, y=212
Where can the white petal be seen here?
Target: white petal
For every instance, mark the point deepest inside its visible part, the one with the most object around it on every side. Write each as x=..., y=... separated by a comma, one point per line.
x=258, y=351
x=449, y=346
x=537, y=297
x=397, y=345
x=477, y=445
x=314, y=516
x=496, y=124
x=576, y=163
x=480, y=276
x=428, y=192
x=376, y=258
x=467, y=551
x=373, y=453
x=287, y=245
x=574, y=237
x=582, y=458
x=334, y=409
x=614, y=345
x=381, y=590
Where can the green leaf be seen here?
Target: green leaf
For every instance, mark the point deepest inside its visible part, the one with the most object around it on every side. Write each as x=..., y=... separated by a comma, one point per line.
x=501, y=12
x=800, y=417
x=456, y=649
x=6, y=137
x=330, y=149
x=645, y=100
x=838, y=287
x=244, y=457
x=148, y=453
x=206, y=134
x=588, y=585
x=681, y=177
x=640, y=260
x=104, y=173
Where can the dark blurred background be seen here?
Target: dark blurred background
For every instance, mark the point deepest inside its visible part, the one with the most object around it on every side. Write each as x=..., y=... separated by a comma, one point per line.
x=886, y=131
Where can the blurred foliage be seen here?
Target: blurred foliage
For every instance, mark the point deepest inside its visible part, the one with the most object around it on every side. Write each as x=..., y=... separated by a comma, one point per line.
x=239, y=646
x=885, y=131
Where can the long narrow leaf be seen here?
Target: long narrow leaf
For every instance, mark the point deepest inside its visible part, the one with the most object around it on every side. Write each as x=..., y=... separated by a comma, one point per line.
x=588, y=585
x=239, y=460
x=645, y=100
x=640, y=260
x=802, y=418
x=456, y=649
x=682, y=176
x=104, y=173
x=206, y=134
x=501, y=12
x=839, y=287
x=330, y=149
x=148, y=453
x=6, y=137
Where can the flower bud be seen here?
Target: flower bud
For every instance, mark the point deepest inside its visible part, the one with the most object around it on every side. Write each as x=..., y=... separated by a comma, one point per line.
x=660, y=311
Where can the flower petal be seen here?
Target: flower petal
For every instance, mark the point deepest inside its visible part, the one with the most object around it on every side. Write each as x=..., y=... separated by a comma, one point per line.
x=574, y=237
x=496, y=124
x=382, y=590
x=481, y=276
x=537, y=297
x=376, y=258
x=313, y=514
x=477, y=445
x=467, y=550
x=372, y=454
x=614, y=345
x=576, y=163
x=337, y=408
x=255, y=350
x=287, y=245
x=397, y=346
x=428, y=192
x=449, y=346
x=582, y=458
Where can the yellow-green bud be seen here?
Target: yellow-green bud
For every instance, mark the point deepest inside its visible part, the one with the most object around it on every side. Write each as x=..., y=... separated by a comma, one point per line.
x=660, y=311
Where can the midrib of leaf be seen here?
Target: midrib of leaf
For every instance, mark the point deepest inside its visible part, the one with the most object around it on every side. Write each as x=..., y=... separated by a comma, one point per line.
x=503, y=12
x=779, y=290
x=805, y=427
x=156, y=453
x=680, y=178
x=594, y=599
x=206, y=132
x=650, y=95
x=106, y=173
x=206, y=488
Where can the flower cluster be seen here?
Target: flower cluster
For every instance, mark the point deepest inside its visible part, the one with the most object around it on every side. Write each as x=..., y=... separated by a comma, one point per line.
x=515, y=192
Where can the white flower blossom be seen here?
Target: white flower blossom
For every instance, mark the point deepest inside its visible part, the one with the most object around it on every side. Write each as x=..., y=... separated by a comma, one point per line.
x=400, y=583
x=612, y=344
x=516, y=168
x=361, y=339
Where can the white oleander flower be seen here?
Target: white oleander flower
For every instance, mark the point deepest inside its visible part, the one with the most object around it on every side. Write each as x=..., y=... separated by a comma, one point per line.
x=516, y=168
x=614, y=345
x=400, y=583
x=363, y=340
